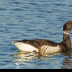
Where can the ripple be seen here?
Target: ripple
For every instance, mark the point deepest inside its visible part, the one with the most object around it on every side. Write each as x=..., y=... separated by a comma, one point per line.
x=14, y=2
x=17, y=9
x=2, y=9
x=60, y=4
x=70, y=6
x=33, y=4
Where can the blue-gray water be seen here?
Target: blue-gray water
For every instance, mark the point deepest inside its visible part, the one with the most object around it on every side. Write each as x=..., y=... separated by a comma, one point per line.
x=33, y=19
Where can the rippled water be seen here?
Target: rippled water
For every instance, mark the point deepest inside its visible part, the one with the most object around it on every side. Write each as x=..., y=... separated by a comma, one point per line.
x=33, y=19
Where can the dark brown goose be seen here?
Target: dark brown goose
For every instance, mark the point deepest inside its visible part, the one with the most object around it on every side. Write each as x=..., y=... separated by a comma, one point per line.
x=46, y=46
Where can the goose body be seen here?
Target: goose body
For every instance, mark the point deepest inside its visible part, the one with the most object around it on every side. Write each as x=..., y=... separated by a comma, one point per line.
x=46, y=46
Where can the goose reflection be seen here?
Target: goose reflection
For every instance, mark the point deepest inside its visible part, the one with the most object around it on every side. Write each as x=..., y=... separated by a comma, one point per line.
x=67, y=63
x=33, y=59
x=24, y=56
x=27, y=56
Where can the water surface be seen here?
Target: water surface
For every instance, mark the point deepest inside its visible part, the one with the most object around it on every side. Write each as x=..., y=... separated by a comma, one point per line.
x=33, y=19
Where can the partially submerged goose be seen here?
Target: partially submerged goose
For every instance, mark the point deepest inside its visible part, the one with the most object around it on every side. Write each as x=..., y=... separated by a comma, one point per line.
x=47, y=46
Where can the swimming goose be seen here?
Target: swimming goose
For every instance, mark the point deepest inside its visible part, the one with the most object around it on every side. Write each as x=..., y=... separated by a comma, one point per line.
x=46, y=46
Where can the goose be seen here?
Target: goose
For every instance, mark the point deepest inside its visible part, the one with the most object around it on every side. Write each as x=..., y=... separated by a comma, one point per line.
x=46, y=46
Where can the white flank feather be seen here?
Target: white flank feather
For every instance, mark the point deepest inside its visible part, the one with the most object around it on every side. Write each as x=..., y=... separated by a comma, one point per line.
x=24, y=47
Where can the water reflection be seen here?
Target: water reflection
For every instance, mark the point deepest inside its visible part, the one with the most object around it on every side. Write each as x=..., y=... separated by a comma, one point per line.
x=34, y=60
x=27, y=56
x=24, y=56
x=62, y=61
x=67, y=63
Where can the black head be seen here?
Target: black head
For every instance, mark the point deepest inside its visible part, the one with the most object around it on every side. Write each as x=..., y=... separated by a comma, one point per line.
x=67, y=26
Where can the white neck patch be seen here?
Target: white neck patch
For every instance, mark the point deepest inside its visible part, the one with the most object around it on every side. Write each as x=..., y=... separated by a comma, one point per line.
x=66, y=32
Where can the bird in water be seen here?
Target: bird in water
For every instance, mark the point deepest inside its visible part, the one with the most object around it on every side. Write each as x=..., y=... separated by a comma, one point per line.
x=46, y=46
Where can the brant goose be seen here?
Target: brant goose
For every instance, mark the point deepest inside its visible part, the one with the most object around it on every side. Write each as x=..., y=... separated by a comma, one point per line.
x=46, y=46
